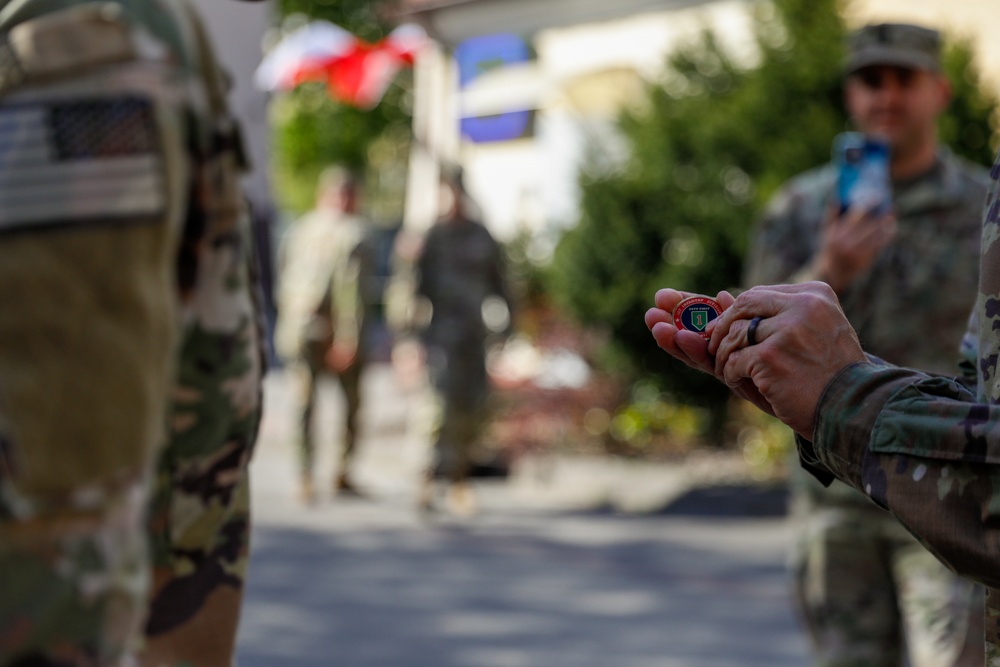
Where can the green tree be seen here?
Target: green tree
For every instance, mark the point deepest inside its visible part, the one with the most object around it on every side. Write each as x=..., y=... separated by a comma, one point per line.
x=311, y=130
x=969, y=127
x=713, y=144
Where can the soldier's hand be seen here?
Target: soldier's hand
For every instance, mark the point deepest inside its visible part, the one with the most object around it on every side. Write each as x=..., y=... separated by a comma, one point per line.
x=686, y=346
x=408, y=360
x=850, y=244
x=341, y=356
x=689, y=347
x=803, y=342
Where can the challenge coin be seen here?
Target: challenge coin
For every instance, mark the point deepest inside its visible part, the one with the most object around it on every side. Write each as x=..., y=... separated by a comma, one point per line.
x=695, y=312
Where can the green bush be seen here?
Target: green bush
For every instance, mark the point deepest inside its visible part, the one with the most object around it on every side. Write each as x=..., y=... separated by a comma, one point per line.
x=711, y=147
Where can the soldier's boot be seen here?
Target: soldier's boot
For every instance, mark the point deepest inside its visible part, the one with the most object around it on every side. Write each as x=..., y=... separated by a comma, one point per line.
x=306, y=464
x=426, y=494
x=307, y=492
x=343, y=486
x=461, y=499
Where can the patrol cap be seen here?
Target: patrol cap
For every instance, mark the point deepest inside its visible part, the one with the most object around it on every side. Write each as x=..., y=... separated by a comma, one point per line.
x=899, y=44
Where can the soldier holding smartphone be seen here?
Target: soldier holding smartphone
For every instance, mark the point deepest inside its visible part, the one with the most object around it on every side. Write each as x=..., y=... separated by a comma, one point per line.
x=904, y=271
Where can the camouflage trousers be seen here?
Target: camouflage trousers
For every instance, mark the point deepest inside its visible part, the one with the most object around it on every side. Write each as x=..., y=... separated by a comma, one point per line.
x=306, y=372
x=460, y=391
x=870, y=595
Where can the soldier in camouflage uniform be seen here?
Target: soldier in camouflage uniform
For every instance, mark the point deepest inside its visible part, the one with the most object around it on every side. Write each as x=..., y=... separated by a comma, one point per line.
x=327, y=265
x=127, y=305
x=924, y=447
x=862, y=583
x=459, y=268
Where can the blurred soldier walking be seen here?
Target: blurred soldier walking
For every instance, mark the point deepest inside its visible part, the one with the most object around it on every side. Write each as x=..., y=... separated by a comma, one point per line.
x=867, y=589
x=126, y=303
x=460, y=272
x=326, y=265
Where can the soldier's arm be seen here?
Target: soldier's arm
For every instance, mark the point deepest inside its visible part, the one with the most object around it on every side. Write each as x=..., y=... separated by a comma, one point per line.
x=424, y=266
x=922, y=448
x=348, y=291
x=918, y=445
x=501, y=286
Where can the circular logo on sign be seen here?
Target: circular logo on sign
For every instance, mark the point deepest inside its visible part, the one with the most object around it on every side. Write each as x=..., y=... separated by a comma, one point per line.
x=695, y=312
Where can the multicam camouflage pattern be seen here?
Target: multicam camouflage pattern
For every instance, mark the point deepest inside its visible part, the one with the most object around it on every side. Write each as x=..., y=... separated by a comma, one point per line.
x=199, y=519
x=460, y=267
x=910, y=308
x=90, y=319
x=200, y=516
x=927, y=448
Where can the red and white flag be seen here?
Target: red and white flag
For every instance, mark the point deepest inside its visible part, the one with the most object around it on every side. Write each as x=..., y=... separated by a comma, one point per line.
x=356, y=72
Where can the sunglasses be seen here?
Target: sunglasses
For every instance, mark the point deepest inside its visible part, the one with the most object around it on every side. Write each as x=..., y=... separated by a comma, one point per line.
x=877, y=78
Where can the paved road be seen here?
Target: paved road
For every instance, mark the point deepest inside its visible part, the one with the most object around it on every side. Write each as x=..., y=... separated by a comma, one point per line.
x=558, y=569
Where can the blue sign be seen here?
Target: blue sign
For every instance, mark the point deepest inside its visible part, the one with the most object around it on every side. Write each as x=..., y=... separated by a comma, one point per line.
x=478, y=55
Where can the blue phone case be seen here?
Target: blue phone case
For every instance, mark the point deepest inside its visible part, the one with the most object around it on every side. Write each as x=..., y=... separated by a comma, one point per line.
x=862, y=172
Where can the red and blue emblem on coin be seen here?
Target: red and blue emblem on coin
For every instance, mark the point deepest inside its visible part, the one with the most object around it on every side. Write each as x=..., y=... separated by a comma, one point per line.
x=695, y=312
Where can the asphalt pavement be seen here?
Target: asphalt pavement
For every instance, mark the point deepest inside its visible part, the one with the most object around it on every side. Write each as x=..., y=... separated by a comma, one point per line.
x=570, y=561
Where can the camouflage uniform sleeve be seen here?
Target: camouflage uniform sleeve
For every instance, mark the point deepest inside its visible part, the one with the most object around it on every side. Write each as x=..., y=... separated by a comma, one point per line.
x=425, y=264
x=904, y=438
x=923, y=448
x=500, y=284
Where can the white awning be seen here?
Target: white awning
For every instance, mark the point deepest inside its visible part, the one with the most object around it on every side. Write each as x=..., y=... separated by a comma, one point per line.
x=454, y=21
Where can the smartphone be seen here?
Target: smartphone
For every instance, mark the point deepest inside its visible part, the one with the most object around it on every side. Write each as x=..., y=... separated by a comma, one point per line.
x=862, y=172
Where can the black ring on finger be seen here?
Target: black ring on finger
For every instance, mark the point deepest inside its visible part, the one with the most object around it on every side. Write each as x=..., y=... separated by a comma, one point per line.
x=752, y=331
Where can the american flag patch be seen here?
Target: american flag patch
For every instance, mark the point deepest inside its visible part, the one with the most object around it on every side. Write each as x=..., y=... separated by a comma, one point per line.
x=81, y=161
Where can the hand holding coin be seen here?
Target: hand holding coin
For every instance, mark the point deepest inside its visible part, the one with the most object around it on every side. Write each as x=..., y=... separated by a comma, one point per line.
x=694, y=313
x=682, y=331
